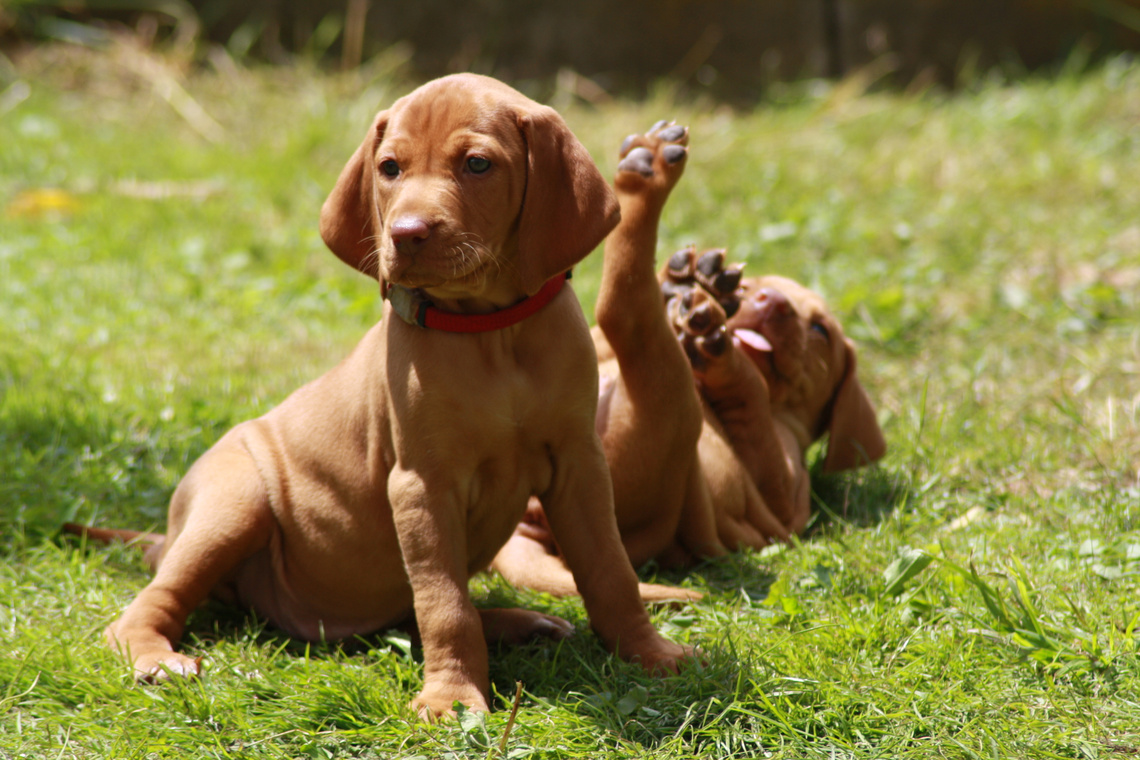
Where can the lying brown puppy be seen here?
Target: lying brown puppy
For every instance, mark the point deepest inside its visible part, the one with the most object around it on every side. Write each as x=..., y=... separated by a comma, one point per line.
x=702, y=468
x=375, y=491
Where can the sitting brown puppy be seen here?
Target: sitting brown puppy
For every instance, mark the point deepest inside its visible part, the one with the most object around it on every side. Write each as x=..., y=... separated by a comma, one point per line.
x=377, y=490
x=705, y=436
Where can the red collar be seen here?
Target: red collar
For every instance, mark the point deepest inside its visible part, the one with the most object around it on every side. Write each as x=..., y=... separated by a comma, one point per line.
x=416, y=310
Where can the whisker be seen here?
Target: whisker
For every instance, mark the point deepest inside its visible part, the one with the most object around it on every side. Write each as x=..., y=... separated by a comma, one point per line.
x=373, y=256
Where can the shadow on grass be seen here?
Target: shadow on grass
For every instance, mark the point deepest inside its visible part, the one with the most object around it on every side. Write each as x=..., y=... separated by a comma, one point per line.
x=65, y=455
x=857, y=498
x=69, y=454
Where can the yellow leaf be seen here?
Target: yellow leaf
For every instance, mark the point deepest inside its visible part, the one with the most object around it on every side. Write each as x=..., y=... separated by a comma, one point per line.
x=42, y=201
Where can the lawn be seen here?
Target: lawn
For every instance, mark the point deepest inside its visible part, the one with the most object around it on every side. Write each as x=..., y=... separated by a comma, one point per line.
x=974, y=595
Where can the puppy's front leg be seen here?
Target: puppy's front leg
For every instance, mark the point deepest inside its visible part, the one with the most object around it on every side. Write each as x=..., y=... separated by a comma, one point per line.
x=430, y=526
x=579, y=507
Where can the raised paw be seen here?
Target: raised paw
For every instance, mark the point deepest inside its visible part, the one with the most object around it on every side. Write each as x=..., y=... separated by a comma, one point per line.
x=698, y=321
x=653, y=162
x=687, y=269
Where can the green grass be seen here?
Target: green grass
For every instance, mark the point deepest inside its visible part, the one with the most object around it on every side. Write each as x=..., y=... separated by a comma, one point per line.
x=975, y=595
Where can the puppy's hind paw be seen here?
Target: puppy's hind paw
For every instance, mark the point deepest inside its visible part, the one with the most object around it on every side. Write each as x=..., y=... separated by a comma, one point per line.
x=653, y=162
x=516, y=626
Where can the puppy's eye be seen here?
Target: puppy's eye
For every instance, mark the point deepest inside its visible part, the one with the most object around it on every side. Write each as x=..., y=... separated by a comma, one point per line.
x=478, y=164
x=390, y=168
x=820, y=328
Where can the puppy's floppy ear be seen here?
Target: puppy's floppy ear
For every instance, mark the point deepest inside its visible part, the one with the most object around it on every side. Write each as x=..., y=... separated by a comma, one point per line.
x=854, y=437
x=568, y=207
x=349, y=216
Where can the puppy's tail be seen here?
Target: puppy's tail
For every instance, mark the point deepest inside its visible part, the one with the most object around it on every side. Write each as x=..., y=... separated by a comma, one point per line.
x=150, y=543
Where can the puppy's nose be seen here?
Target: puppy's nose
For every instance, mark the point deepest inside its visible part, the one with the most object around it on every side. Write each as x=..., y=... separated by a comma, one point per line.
x=773, y=302
x=409, y=229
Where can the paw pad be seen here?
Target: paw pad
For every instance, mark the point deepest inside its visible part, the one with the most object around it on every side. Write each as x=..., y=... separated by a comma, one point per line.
x=674, y=153
x=638, y=160
x=680, y=266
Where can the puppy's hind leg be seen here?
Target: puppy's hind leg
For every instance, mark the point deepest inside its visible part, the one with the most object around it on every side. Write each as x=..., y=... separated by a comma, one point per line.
x=653, y=419
x=629, y=300
x=526, y=563
x=220, y=518
x=511, y=625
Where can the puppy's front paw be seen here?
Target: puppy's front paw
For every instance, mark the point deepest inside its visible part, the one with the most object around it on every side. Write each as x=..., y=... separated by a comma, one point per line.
x=687, y=269
x=667, y=658
x=157, y=667
x=652, y=163
x=437, y=701
x=698, y=321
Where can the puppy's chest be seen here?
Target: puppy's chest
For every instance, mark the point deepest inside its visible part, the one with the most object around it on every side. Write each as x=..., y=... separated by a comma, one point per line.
x=487, y=441
x=491, y=421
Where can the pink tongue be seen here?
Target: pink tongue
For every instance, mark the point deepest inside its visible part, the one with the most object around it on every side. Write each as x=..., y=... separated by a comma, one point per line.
x=753, y=339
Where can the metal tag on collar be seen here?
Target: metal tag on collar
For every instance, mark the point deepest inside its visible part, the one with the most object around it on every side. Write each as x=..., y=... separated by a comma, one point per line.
x=409, y=304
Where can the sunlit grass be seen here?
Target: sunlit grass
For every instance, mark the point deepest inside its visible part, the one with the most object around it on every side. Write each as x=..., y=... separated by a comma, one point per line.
x=157, y=287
